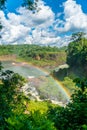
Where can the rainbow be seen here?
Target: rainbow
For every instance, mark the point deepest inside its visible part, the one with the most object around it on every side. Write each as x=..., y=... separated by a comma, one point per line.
x=63, y=88
x=60, y=85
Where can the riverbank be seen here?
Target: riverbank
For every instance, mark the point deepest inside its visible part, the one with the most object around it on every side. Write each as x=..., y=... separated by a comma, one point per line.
x=17, y=60
x=8, y=58
x=46, y=86
x=21, y=62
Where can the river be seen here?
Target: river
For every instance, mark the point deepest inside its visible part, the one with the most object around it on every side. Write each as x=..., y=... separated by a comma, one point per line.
x=40, y=84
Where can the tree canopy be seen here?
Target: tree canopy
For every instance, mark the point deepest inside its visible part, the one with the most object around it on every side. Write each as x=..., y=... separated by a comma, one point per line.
x=74, y=115
x=2, y=4
x=77, y=54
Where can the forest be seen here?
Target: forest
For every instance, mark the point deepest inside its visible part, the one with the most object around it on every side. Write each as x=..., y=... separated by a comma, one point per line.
x=15, y=112
x=18, y=112
x=39, y=55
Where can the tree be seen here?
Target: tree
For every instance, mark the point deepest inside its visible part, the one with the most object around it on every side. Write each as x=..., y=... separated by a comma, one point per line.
x=74, y=115
x=10, y=84
x=77, y=36
x=81, y=83
x=77, y=57
x=32, y=121
x=1, y=66
x=2, y=4
x=30, y=4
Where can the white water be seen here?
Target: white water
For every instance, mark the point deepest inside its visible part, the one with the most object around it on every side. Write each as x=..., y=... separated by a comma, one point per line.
x=45, y=86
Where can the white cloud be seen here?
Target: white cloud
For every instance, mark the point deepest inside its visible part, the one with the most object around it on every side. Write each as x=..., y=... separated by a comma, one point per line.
x=42, y=18
x=74, y=18
x=27, y=27
x=13, y=30
x=43, y=26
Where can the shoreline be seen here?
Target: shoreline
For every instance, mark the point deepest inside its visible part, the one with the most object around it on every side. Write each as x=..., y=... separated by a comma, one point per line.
x=8, y=57
x=21, y=62
x=14, y=58
x=18, y=61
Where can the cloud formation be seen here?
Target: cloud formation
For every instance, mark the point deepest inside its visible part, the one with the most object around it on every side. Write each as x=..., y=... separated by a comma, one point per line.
x=26, y=26
x=43, y=26
x=74, y=18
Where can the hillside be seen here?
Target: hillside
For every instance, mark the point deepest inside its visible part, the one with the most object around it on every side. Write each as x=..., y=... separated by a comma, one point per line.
x=47, y=57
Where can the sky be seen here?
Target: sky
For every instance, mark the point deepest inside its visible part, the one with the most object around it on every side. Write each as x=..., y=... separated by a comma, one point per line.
x=52, y=23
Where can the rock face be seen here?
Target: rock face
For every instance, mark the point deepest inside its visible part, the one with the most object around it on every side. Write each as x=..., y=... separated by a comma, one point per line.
x=61, y=71
x=65, y=66
x=8, y=57
x=38, y=58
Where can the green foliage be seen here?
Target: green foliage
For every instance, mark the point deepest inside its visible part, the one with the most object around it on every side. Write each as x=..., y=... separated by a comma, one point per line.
x=77, y=56
x=5, y=50
x=2, y=3
x=41, y=122
x=41, y=106
x=1, y=66
x=9, y=94
x=15, y=113
x=33, y=121
x=82, y=83
x=84, y=127
x=38, y=55
x=30, y=4
x=69, y=84
x=0, y=27
x=77, y=36
x=77, y=53
x=74, y=115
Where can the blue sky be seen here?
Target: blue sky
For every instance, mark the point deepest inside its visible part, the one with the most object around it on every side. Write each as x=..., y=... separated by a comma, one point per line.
x=54, y=4
x=52, y=24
